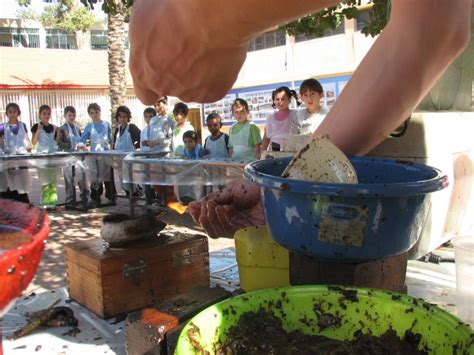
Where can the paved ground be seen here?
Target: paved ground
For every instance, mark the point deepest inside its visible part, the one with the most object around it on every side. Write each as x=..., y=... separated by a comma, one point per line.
x=71, y=226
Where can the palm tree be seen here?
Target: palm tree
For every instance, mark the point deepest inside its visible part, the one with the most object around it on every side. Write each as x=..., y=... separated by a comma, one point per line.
x=116, y=58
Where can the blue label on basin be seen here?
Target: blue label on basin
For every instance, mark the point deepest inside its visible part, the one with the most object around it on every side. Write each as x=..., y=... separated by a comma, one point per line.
x=342, y=224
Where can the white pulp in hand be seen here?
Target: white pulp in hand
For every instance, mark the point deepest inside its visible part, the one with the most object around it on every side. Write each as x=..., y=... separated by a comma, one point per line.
x=321, y=161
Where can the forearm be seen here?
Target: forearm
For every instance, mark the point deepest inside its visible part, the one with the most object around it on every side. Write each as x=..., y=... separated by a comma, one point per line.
x=265, y=142
x=34, y=138
x=258, y=151
x=420, y=41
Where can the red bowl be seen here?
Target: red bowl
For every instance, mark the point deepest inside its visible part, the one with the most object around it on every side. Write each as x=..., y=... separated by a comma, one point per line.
x=23, y=232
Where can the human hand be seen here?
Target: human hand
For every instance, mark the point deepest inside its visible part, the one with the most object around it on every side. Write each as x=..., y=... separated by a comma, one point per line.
x=237, y=205
x=214, y=51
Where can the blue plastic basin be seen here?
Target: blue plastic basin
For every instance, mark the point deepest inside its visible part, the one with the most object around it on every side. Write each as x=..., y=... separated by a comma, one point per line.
x=381, y=216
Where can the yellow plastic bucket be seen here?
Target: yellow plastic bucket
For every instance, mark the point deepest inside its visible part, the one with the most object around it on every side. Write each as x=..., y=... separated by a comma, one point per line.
x=262, y=262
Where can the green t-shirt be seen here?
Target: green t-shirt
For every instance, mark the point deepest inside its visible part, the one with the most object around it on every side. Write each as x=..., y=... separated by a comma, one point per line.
x=254, y=133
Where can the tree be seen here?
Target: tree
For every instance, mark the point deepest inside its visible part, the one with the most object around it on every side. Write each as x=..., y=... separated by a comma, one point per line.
x=331, y=17
x=117, y=11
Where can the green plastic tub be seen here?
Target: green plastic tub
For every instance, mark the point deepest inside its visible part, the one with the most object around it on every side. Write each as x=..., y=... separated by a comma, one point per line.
x=371, y=311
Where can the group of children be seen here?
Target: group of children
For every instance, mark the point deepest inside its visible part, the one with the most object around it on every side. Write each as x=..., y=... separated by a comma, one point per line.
x=162, y=133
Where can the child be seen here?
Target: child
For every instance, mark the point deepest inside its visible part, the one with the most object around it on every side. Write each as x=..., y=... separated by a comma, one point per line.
x=217, y=144
x=46, y=138
x=180, y=112
x=160, y=129
x=148, y=114
x=70, y=140
x=14, y=135
x=244, y=136
x=145, y=135
x=126, y=138
x=307, y=120
x=192, y=149
x=100, y=136
x=126, y=135
x=278, y=124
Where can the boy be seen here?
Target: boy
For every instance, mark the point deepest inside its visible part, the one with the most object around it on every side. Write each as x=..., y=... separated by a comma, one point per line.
x=217, y=144
x=160, y=129
x=69, y=141
x=148, y=114
x=100, y=135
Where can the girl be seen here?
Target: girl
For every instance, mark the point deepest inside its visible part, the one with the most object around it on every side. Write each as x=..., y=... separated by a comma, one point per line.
x=46, y=138
x=244, y=136
x=307, y=120
x=180, y=112
x=192, y=149
x=126, y=135
x=126, y=138
x=278, y=124
x=15, y=183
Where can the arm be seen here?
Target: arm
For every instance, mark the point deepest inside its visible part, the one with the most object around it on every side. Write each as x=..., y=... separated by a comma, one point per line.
x=35, y=130
x=215, y=36
x=86, y=134
x=265, y=141
x=135, y=134
x=419, y=42
x=57, y=134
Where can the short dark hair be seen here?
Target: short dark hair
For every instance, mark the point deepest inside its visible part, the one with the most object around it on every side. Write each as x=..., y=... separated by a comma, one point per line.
x=44, y=107
x=240, y=102
x=149, y=110
x=311, y=84
x=125, y=110
x=181, y=108
x=15, y=106
x=213, y=115
x=93, y=106
x=190, y=134
x=69, y=109
x=162, y=99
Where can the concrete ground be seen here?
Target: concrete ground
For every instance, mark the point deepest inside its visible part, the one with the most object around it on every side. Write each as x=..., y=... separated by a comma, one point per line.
x=71, y=226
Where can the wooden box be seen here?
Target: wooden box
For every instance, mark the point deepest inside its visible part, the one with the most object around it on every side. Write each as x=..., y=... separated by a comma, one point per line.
x=112, y=281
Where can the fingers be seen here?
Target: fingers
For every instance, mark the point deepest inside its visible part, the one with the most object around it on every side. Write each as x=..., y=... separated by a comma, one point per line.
x=194, y=209
x=246, y=196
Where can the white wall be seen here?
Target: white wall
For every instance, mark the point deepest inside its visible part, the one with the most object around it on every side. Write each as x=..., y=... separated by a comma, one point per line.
x=319, y=57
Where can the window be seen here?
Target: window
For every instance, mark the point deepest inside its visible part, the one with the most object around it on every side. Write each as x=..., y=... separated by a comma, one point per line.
x=339, y=30
x=60, y=39
x=267, y=40
x=19, y=37
x=98, y=39
x=362, y=20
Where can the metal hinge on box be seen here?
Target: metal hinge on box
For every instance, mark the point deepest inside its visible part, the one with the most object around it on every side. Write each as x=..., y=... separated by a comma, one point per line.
x=134, y=268
x=182, y=257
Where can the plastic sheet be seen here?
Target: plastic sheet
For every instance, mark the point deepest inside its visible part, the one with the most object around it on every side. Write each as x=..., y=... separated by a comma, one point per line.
x=146, y=169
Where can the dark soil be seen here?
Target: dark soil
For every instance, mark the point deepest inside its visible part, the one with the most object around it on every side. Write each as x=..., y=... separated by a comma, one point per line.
x=262, y=333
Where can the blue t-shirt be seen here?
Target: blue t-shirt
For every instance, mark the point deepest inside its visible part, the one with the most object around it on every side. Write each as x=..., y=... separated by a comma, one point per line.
x=196, y=153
